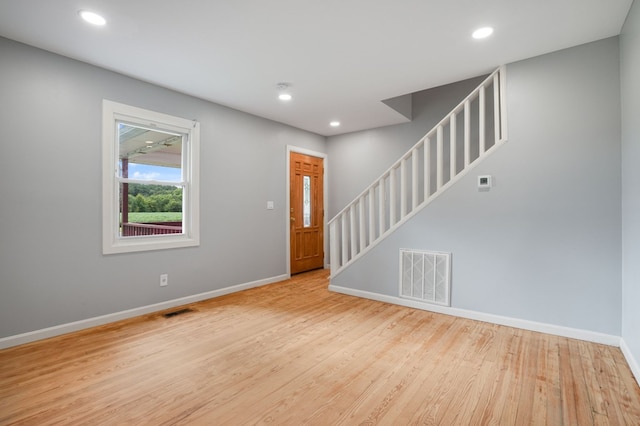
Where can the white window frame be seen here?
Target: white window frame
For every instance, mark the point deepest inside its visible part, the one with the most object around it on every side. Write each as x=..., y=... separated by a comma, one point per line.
x=112, y=242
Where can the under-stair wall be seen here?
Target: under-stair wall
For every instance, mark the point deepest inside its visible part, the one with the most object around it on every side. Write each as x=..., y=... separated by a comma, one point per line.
x=544, y=243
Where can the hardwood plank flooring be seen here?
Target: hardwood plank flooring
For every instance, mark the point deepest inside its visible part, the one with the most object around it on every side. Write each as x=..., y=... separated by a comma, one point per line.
x=292, y=353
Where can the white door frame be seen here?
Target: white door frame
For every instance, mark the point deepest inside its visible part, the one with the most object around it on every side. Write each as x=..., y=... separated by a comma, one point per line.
x=325, y=239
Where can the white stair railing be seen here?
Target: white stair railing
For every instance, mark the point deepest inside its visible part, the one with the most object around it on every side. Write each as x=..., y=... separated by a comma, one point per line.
x=470, y=132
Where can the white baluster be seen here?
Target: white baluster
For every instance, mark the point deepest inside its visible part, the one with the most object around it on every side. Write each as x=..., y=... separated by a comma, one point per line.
x=467, y=133
x=392, y=198
x=382, y=218
x=414, y=179
x=352, y=222
x=439, y=159
x=452, y=146
x=372, y=214
x=333, y=249
x=345, y=241
x=481, y=119
x=403, y=188
x=496, y=108
x=427, y=168
x=503, y=103
x=363, y=229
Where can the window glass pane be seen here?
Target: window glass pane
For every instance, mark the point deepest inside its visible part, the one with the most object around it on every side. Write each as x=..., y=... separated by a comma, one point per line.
x=306, y=201
x=155, y=156
x=149, y=154
x=151, y=210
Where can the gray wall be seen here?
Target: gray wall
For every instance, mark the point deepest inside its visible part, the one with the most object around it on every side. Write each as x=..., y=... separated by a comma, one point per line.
x=357, y=159
x=52, y=270
x=630, y=89
x=545, y=243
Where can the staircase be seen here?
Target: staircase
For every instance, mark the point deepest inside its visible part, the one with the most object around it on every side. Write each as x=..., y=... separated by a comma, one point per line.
x=470, y=132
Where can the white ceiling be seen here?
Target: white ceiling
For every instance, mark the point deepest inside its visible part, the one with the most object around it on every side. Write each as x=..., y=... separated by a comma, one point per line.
x=341, y=57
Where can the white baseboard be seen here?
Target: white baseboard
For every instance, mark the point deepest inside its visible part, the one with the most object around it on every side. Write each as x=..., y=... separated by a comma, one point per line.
x=633, y=363
x=574, y=333
x=32, y=336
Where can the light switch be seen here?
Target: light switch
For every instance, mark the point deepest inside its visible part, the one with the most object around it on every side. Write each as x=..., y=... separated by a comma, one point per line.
x=270, y=205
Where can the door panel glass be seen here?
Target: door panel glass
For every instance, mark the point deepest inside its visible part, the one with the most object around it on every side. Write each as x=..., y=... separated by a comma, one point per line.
x=306, y=201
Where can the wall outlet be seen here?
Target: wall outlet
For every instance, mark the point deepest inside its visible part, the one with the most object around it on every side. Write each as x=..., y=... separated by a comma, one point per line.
x=164, y=280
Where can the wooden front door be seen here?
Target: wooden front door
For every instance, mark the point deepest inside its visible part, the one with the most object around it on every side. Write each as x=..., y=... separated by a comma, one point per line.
x=307, y=212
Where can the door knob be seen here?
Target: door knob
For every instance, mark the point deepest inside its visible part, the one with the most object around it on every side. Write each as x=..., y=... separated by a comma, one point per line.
x=293, y=219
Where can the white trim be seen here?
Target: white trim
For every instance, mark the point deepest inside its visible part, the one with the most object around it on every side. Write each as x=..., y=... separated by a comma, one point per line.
x=633, y=363
x=57, y=330
x=325, y=238
x=574, y=333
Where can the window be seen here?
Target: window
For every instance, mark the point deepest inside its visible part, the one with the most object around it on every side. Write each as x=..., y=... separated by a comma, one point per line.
x=150, y=180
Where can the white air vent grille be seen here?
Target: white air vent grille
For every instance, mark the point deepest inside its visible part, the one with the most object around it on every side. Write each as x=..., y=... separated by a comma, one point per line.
x=425, y=276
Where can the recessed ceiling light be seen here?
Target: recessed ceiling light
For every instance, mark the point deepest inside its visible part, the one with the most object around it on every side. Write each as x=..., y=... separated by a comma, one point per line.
x=148, y=142
x=334, y=124
x=92, y=18
x=482, y=32
x=284, y=97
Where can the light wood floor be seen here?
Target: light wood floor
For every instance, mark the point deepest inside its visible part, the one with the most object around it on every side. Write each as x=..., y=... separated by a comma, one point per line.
x=294, y=353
